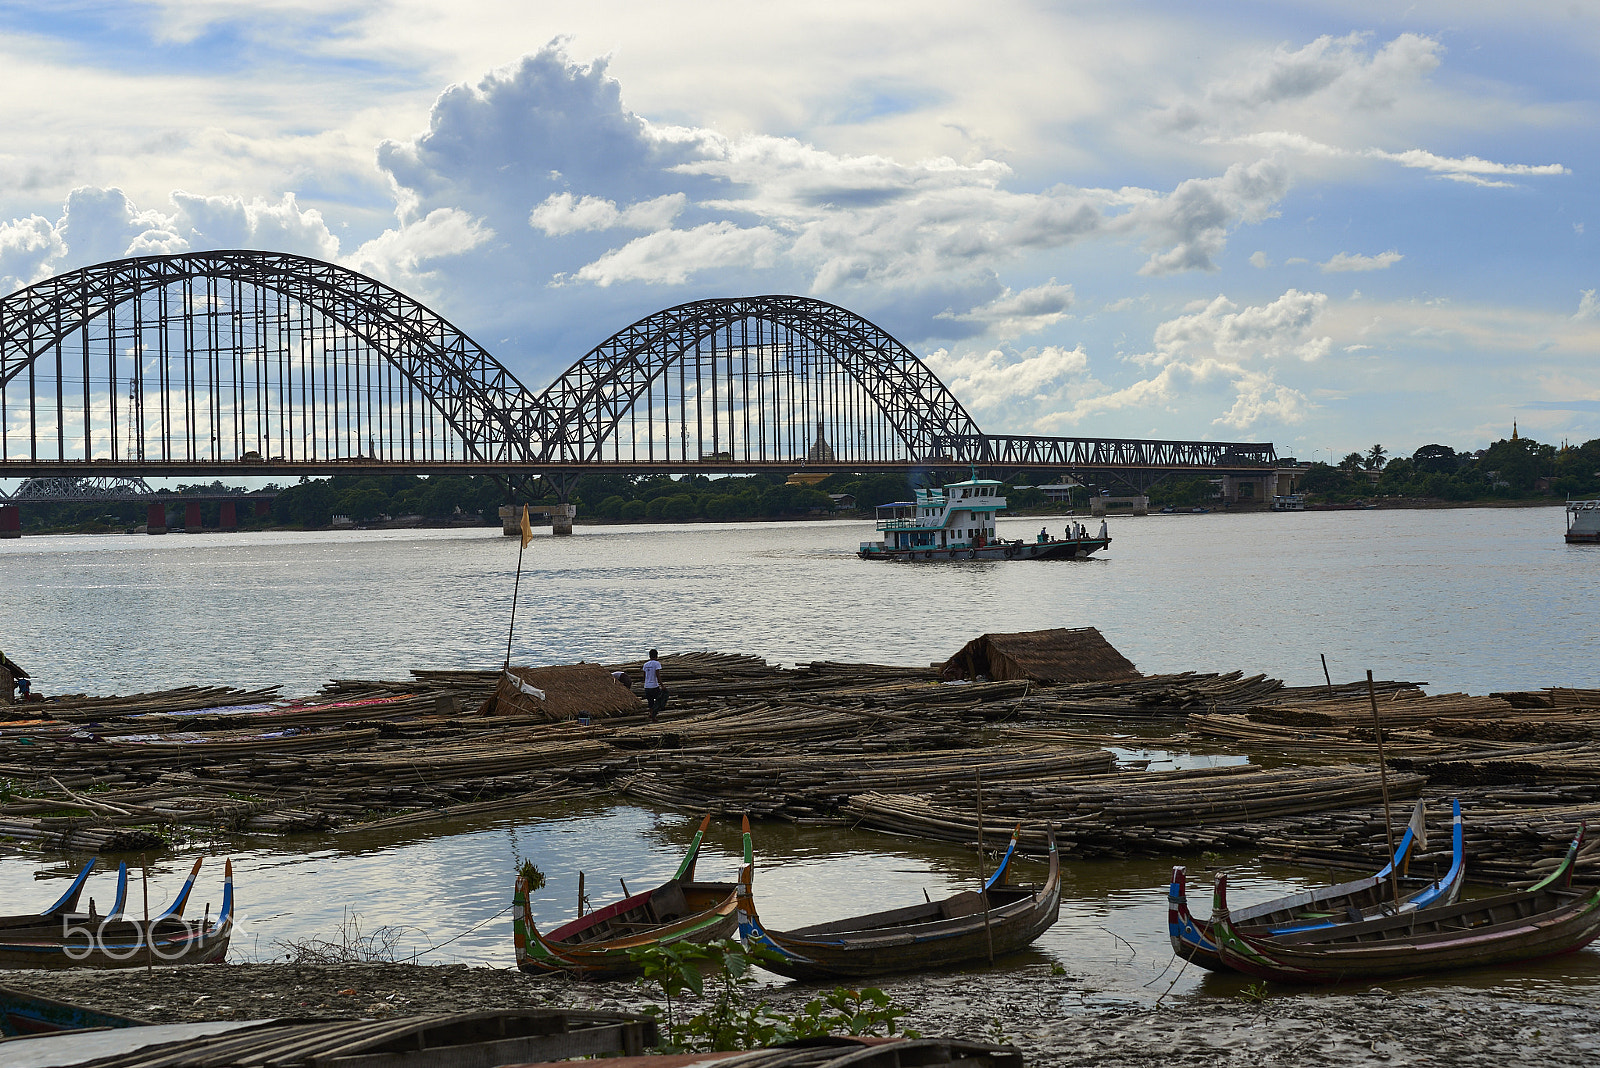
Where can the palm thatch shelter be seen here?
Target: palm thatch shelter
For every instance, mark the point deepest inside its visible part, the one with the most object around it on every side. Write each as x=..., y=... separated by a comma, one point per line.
x=564, y=692
x=1079, y=654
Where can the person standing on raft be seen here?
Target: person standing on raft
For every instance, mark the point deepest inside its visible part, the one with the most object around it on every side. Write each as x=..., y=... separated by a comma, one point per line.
x=655, y=694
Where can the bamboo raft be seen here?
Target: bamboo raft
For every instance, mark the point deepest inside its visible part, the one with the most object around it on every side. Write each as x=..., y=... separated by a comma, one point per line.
x=887, y=746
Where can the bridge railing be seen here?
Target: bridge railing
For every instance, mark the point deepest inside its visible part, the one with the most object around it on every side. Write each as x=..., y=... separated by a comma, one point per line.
x=1031, y=451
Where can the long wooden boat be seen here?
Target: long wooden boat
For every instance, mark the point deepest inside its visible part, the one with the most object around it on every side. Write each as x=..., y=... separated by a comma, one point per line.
x=596, y=945
x=1547, y=920
x=23, y=1012
x=63, y=937
x=973, y=925
x=1325, y=906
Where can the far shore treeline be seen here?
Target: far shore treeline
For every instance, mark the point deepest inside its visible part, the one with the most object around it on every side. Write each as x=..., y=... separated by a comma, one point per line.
x=1512, y=469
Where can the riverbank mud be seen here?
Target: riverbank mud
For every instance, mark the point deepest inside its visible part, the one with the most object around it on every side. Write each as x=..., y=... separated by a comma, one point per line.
x=1053, y=1018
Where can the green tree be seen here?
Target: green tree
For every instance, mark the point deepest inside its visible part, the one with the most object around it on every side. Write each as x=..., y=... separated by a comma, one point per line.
x=1436, y=459
x=363, y=503
x=679, y=508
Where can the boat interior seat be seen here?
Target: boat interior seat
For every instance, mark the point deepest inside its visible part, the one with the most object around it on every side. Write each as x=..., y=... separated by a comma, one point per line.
x=668, y=903
x=968, y=904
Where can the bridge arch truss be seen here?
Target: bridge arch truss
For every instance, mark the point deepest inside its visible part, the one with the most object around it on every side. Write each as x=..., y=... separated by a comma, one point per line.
x=750, y=380
x=230, y=356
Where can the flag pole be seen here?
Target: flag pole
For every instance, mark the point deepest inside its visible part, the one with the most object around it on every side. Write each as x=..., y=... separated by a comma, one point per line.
x=527, y=536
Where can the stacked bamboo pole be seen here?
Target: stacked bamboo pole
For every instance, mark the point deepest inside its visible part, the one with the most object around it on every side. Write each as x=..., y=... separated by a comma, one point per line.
x=888, y=746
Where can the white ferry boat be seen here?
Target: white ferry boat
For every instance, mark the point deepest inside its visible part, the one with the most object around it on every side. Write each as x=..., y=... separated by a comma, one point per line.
x=957, y=523
x=1583, y=521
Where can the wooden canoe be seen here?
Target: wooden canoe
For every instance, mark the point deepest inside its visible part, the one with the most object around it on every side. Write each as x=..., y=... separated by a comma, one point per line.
x=1545, y=921
x=63, y=937
x=969, y=926
x=23, y=1012
x=1359, y=899
x=596, y=945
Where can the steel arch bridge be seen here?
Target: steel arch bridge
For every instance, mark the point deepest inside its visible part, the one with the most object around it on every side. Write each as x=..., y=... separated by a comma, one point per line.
x=268, y=363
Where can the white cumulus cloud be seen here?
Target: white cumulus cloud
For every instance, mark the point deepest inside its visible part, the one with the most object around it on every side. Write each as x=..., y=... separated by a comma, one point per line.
x=671, y=257
x=1354, y=261
x=1014, y=314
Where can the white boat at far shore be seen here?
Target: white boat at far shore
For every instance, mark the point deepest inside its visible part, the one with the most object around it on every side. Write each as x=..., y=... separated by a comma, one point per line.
x=1583, y=521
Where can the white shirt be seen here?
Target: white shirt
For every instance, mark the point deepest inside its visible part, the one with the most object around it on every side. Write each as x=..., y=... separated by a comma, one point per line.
x=650, y=669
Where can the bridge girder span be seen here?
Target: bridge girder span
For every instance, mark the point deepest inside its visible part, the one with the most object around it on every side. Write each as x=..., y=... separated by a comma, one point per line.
x=232, y=340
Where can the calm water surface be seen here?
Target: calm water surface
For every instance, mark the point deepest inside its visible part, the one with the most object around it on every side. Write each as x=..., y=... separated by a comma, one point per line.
x=1464, y=600
x=1472, y=600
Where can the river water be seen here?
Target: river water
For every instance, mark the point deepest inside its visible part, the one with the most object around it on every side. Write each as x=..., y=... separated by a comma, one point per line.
x=1471, y=600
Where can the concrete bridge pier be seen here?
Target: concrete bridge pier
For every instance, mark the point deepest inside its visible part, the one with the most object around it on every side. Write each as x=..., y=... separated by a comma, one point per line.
x=561, y=518
x=156, y=519
x=10, y=521
x=1140, y=505
x=229, y=519
x=192, y=520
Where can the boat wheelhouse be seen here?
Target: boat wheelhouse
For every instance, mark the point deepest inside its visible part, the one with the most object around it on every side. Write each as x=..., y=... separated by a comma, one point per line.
x=957, y=522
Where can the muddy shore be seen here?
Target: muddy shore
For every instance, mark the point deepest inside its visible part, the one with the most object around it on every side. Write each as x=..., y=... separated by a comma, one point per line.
x=1054, y=1019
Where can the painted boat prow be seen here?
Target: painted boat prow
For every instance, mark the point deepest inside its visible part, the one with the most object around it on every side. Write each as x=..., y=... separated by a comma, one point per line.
x=68, y=902
x=180, y=902
x=122, y=890
x=1005, y=861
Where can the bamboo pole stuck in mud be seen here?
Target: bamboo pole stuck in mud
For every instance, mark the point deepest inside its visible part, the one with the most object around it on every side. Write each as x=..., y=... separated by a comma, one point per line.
x=527, y=536
x=1383, y=776
x=983, y=874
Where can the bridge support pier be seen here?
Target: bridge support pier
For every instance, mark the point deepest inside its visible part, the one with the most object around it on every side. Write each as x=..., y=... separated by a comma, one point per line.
x=192, y=523
x=229, y=519
x=1140, y=505
x=10, y=521
x=510, y=520
x=156, y=519
x=561, y=518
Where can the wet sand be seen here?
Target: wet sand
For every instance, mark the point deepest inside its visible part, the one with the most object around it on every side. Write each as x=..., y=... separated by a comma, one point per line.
x=1054, y=1019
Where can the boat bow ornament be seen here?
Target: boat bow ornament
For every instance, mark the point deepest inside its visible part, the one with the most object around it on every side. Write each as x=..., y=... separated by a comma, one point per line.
x=294, y=364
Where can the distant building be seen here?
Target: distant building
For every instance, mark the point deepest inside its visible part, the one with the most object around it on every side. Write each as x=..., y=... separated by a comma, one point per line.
x=1058, y=492
x=820, y=452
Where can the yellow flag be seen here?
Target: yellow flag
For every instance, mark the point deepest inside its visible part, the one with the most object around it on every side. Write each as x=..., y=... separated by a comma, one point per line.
x=527, y=528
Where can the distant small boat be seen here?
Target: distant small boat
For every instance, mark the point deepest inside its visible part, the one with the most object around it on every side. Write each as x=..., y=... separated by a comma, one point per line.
x=596, y=945
x=1583, y=522
x=1195, y=941
x=63, y=937
x=1003, y=918
x=1548, y=920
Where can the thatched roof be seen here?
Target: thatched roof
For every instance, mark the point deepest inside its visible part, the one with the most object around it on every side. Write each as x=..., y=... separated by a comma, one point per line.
x=570, y=690
x=1046, y=656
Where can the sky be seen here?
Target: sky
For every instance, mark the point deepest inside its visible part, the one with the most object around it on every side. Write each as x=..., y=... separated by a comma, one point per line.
x=1321, y=225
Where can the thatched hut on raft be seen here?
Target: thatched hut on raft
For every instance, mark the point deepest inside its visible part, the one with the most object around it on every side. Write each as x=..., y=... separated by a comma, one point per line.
x=1047, y=657
x=564, y=692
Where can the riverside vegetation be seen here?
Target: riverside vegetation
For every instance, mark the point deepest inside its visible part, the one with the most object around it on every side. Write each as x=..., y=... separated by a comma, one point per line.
x=1512, y=469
